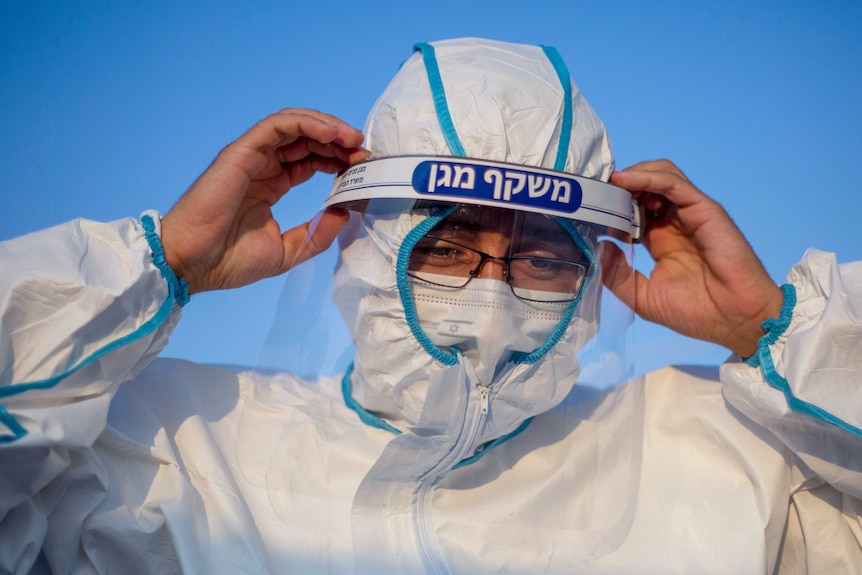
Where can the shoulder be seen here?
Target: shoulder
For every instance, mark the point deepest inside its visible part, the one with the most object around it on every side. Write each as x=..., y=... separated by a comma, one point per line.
x=686, y=406
x=173, y=390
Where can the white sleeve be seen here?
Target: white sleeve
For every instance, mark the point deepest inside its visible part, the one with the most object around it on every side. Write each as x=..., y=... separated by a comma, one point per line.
x=804, y=383
x=83, y=307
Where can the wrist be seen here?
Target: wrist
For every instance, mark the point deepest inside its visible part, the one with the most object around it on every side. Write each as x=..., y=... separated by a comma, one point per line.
x=170, y=239
x=177, y=286
x=762, y=330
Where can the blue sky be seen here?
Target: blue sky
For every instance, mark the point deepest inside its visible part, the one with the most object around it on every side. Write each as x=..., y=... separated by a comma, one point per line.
x=111, y=108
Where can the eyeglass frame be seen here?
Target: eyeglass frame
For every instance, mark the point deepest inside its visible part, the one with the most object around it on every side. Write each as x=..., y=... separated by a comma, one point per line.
x=507, y=260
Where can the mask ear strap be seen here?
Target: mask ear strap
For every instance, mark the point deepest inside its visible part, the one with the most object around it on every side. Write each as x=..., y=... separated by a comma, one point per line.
x=429, y=58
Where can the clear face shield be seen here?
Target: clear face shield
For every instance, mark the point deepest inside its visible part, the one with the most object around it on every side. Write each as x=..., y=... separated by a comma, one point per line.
x=460, y=316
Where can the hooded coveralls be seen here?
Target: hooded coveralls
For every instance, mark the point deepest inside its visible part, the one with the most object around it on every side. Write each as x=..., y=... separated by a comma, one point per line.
x=116, y=461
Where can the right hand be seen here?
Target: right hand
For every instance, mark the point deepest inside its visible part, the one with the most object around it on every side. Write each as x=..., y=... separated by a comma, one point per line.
x=221, y=233
x=707, y=282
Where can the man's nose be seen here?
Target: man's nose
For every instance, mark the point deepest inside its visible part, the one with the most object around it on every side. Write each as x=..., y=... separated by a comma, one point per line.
x=492, y=269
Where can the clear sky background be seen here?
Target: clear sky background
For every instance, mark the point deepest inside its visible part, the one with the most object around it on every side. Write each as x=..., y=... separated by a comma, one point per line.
x=110, y=108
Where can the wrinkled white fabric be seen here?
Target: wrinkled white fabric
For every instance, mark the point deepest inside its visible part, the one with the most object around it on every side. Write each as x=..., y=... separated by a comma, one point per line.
x=116, y=462
x=510, y=112
x=189, y=468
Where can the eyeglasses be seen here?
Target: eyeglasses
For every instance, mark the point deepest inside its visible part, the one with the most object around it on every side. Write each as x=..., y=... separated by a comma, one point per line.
x=449, y=264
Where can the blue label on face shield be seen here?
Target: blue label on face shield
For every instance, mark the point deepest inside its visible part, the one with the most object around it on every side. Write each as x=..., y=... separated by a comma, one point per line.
x=498, y=184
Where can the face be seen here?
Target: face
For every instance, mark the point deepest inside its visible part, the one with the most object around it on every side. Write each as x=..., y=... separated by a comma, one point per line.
x=531, y=252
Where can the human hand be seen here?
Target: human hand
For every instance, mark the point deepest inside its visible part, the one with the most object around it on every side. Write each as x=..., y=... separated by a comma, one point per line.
x=221, y=233
x=707, y=282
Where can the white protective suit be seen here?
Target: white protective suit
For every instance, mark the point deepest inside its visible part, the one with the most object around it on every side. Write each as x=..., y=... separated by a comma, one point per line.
x=114, y=461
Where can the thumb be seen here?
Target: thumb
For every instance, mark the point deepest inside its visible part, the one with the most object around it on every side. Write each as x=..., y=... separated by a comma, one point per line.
x=618, y=275
x=313, y=237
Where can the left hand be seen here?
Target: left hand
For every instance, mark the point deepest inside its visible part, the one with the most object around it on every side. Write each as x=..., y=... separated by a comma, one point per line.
x=707, y=282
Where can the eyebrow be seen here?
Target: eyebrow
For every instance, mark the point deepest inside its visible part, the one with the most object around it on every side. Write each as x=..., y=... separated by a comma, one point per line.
x=459, y=227
x=543, y=232
x=552, y=234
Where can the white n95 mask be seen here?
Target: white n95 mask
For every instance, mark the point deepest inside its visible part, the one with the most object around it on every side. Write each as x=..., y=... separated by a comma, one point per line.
x=484, y=322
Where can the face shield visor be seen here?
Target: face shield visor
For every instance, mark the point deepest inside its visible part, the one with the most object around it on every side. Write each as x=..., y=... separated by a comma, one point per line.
x=461, y=312
x=429, y=230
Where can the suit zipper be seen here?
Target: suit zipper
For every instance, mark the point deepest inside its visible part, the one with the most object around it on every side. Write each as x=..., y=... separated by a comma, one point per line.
x=428, y=550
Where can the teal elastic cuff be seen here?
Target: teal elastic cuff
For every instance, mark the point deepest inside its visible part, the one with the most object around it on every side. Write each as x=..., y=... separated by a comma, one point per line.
x=774, y=328
x=178, y=287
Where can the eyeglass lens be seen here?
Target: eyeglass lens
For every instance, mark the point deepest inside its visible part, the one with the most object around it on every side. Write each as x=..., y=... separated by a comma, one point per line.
x=543, y=263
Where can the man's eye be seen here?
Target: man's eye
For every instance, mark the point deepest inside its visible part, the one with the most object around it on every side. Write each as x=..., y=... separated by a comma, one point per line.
x=542, y=254
x=564, y=249
x=547, y=269
x=437, y=252
x=545, y=266
x=542, y=263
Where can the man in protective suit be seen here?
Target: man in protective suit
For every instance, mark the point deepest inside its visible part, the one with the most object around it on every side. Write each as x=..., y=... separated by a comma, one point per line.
x=460, y=440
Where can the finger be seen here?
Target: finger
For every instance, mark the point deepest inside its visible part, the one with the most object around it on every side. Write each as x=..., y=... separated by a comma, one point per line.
x=617, y=273
x=252, y=151
x=358, y=155
x=289, y=125
x=661, y=165
x=348, y=137
x=298, y=172
x=675, y=188
x=301, y=171
x=298, y=133
x=629, y=285
x=313, y=237
x=300, y=148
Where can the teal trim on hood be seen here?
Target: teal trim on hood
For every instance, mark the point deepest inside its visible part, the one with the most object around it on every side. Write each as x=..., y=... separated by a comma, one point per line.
x=429, y=58
x=404, y=292
x=372, y=420
x=566, y=127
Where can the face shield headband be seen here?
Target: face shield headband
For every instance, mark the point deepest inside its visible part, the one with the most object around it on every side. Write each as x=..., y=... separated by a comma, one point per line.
x=481, y=182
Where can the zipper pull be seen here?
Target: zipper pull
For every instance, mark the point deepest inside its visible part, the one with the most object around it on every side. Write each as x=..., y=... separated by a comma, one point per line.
x=484, y=393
